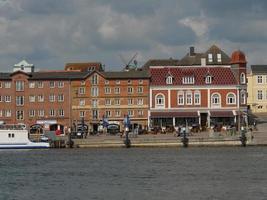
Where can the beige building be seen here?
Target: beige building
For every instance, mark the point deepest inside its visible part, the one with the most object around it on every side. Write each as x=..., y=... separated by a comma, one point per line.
x=257, y=89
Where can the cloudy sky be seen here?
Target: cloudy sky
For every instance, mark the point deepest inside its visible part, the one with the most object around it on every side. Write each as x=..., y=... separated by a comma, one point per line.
x=50, y=33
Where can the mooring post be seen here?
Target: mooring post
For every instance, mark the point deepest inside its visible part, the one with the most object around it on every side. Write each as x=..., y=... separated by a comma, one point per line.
x=243, y=137
x=184, y=139
x=127, y=141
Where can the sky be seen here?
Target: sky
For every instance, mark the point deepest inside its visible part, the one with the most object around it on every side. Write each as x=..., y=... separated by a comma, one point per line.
x=50, y=33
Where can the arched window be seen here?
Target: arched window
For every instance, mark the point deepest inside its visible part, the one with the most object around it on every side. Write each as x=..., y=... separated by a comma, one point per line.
x=216, y=100
x=169, y=80
x=197, y=98
x=231, y=99
x=160, y=99
x=180, y=98
x=243, y=97
x=242, y=78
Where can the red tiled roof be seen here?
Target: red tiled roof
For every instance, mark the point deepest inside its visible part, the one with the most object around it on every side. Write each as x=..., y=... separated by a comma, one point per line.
x=173, y=114
x=221, y=75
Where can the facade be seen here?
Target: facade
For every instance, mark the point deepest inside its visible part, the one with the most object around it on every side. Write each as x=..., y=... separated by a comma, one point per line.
x=111, y=95
x=56, y=100
x=257, y=89
x=202, y=88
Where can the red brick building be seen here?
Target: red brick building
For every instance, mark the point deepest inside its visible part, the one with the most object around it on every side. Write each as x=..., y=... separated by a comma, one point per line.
x=201, y=88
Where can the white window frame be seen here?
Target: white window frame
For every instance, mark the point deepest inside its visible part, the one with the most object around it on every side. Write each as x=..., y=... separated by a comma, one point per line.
x=94, y=103
x=117, y=102
x=7, y=84
x=40, y=98
x=60, y=84
x=61, y=113
x=94, y=91
x=218, y=100
x=31, y=113
x=52, y=113
x=117, y=90
x=259, y=79
x=19, y=85
x=94, y=79
x=32, y=84
x=188, y=98
x=52, y=98
x=20, y=101
x=108, y=102
x=140, y=101
x=197, y=100
x=243, y=97
x=82, y=102
x=107, y=90
x=130, y=90
x=82, y=113
x=40, y=84
x=60, y=98
x=208, y=79
x=259, y=95
x=232, y=98
x=130, y=101
x=81, y=90
x=140, y=89
x=130, y=113
x=242, y=78
x=52, y=84
x=210, y=59
x=8, y=99
x=19, y=115
x=219, y=57
x=160, y=100
x=169, y=80
x=180, y=98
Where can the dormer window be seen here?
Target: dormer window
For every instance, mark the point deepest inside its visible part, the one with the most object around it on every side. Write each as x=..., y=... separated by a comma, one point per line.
x=219, y=57
x=208, y=79
x=210, y=57
x=169, y=80
x=188, y=80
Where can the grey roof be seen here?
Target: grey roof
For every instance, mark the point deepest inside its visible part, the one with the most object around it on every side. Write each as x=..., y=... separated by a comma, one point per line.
x=161, y=62
x=195, y=59
x=257, y=69
x=5, y=76
x=143, y=74
x=58, y=75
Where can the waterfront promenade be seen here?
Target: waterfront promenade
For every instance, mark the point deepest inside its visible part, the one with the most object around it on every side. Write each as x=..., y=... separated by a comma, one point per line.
x=254, y=138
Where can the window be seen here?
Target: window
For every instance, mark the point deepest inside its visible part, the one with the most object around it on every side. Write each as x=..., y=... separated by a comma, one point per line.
x=40, y=98
x=160, y=100
x=52, y=112
x=139, y=89
x=118, y=82
x=60, y=98
x=259, y=79
x=208, y=79
x=130, y=113
x=140, y=101
x=81, y=90
x=52, y=98
x=1, y=98
x=94, y=91
x=140, y=113
x=130, y=101
x=231, y=98
x=40, y=84
x=31, y=84
x=95, y=114
x=243, y=97
x=130, y=90
x=219, y=57
x=180, y=98
x=140, y=81
x=107, y=90
x=7, y=84
x=189, y=80
x=19, y=115
x=52, y=84
x=107, y=102
x=94, y=79
x=188, y=98
x=8, y=113
x=19, y=100
x=82, y=113
x=197, y=98
x=8, y=99
x=0, y=84
x=259, y=95
x=19, y=85
x=41, y=113
x=129, y=82
x=117, y=102
x=82, y=102
x=61, y=112
x=82, y=82
x=210, y=57
x=1, y=113
x=216, y=100
x=242, y=78
x=117, y=113
x=108, y=113
x=94, y=103
x=31, y=113
x=169, y=80
x=117, y=90
x=106, y=82
x=60, y=84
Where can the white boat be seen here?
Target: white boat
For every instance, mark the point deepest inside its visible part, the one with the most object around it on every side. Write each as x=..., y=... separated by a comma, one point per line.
x=16, y=137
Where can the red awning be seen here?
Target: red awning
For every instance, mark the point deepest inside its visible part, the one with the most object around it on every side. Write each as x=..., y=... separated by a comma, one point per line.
x=227, y=113
x=173, y=114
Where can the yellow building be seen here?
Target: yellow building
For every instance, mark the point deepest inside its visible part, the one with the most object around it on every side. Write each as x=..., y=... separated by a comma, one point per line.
x=257, y=89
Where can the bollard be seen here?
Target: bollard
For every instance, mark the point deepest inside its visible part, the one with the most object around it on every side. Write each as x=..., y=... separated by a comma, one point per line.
x=243, y=139
x=185, y=140
x=127, y=141
x=70, y=141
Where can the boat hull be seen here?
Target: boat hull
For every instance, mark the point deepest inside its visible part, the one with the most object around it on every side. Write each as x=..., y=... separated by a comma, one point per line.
x=25, y=146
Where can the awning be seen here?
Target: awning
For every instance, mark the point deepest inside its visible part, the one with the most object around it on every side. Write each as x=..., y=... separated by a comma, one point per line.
x=173, y=114
x=227, y=113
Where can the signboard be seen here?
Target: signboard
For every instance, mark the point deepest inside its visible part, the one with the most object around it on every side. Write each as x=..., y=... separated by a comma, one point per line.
x=46, y=121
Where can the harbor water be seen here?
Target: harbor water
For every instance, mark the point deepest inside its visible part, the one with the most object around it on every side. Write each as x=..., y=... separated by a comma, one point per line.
x=135, y=173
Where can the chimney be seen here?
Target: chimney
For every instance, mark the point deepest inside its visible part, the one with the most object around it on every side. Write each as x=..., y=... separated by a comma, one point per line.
x=192, y=51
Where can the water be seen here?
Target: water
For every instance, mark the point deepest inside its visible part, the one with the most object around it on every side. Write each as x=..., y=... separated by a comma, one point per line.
x=149, y=173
